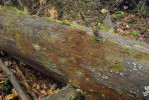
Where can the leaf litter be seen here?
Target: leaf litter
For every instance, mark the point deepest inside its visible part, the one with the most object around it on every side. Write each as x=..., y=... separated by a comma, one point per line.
x=34, y=83
x=133, y=26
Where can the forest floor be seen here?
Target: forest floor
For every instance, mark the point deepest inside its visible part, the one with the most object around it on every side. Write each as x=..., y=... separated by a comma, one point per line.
x=133, y=26
x=34, y=83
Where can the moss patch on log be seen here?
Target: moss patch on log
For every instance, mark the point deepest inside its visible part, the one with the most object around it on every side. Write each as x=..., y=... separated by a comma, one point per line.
x=13, y=8
x=61, y=22
x=117, y=66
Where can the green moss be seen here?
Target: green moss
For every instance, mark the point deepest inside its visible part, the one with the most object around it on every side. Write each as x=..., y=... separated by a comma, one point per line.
x=73, y=16
x=70, y=80
x=143, y=29
x=117, y=51
x=103, y=95
x=37, y=47
x=142, y=44
x=134, y=33
x=71, y=68
x=18, y=11
x=87, y=79
x=86, y=95
x=63, y=60
x=133, y=24
x=147, y=75
x=66, y=23
x=5, y=7
x=7, y=29
x=79, y=73
x=119, y=92
x=91, y=90
x=107, y=29
x=117, y=66
x=61, y=22
x=125, y=12
x=77, y=86
x=8, y=22
x=13, y=8
x=99, y=28
x=118, y=17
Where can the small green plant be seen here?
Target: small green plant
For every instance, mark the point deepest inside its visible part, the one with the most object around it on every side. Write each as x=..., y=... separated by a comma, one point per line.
x=134, y=33
x=101, y=22
x=118, y=12
x=73, y=16
x=117, y=17
x=135, y=23
x=144, y=29
x=7, y=86
x=141, y=44
x=98, y=27
x=66, y=23
x=125, y=12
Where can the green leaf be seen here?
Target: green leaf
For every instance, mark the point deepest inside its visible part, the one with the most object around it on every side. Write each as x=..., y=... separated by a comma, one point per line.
x=134, y=33
x=6, y=83
x=118, y=12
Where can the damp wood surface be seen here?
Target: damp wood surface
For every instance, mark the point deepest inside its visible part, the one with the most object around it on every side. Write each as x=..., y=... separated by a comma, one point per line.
x=109, y=70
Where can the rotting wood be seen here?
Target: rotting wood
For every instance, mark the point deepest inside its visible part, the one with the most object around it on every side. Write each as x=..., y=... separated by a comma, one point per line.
x=115, y=69
x=67, y=93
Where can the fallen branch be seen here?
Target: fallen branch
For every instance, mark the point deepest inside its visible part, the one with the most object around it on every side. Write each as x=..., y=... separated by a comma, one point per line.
x=25, y=82
x=107, y=12
x=13, y=81
x=23, y=78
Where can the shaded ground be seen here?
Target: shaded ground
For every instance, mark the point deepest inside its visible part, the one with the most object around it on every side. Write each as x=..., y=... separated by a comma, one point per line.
x=133, y=26
x=39, y=84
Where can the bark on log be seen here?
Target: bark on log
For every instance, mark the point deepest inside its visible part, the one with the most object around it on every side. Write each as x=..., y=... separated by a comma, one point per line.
x=115, y=69
x=65, y=94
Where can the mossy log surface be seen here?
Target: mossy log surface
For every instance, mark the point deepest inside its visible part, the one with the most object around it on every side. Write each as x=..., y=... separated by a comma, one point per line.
x=117, y=69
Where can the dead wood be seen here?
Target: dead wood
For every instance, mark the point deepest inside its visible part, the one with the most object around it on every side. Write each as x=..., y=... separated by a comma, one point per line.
x=117, y=68
x=13, y=81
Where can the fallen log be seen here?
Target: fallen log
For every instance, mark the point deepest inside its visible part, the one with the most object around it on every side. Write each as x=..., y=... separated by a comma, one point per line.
x=115, y=69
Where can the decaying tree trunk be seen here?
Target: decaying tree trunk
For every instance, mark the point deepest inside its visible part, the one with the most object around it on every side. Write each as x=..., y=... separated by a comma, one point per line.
x=115, y=69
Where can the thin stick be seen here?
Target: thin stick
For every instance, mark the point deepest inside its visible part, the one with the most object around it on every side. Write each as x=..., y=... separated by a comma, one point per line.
x=24, y=81
x=14, y=81
x=106, y=13
x=23, y=77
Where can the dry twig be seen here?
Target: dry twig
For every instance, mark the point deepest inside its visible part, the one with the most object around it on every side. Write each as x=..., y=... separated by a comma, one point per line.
x=14, y=81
